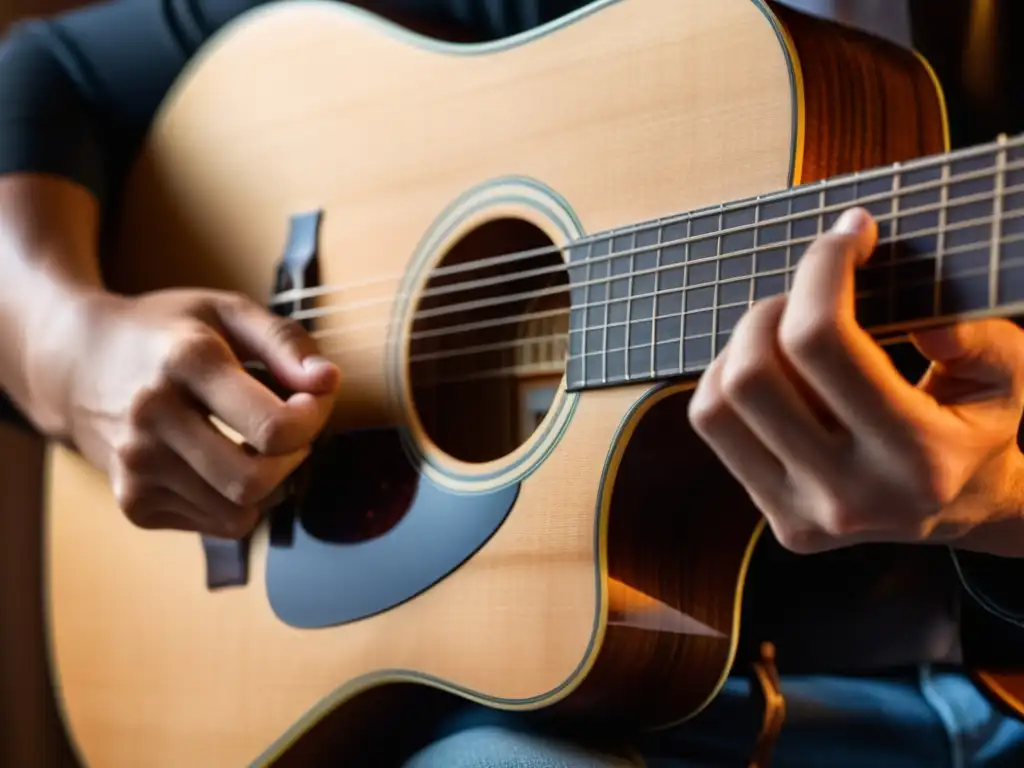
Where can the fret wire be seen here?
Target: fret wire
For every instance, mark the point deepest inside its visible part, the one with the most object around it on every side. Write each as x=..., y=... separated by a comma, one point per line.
x=821, y=210
x=976, y=271
x=1018, y=213
x=997, y=222
x=873, y=265
x=654, y=303
x=629, y=303
x=789, y=245
x=967, y=248
x=979, y=270
x=940, y=241
x=718, y=280
x=838, y=207
x=1014, y=308
x=1015, y=263
x=584, y=376
x=836, y=181
x=786, y=194
x=893, y=244
x=607, y=321
x=682, y=298
x=898, y=190
x=896, y=216
x=752, y=292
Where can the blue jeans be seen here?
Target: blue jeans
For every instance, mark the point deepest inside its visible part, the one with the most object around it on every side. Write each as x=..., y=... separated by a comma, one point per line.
x=918, y=719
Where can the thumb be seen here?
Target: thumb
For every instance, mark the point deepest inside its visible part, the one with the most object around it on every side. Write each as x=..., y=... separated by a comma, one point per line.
x=280, y=343
x=977, y=359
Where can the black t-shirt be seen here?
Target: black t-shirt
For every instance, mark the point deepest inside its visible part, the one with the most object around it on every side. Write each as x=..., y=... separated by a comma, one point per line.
x=77, y=95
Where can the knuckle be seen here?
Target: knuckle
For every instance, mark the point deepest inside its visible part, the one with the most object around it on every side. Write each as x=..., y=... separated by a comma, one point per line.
x=706, y=411
x=273, y=435
x=937, y=487
x=842, y=515
x=827, y=241
x=136, y=455
x=741, y=378
x=809, y=336
x=286, y=329
x=202, y=303
x=829, y=245
x=249, y=487
x=941, y=492
x=234, y=301
x=229, y=304
x=148, y=403
x=195, y=349
x=131, y=499
x=838, y=521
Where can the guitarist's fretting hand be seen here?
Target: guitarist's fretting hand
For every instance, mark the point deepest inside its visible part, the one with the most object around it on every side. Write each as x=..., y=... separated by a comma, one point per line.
x=837, y=448
x=152, y=370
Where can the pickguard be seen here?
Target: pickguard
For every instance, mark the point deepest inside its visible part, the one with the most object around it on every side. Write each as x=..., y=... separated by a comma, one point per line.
x=371, y=533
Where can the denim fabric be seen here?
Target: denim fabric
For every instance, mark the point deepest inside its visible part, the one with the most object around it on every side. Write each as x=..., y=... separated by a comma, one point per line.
x=917, y=719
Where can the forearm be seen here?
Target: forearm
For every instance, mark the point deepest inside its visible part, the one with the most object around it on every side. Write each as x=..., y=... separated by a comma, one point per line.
x=48, y=262
x=59, y=130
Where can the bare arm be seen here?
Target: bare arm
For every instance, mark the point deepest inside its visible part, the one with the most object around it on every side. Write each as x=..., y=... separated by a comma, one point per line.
x=114, y=375
x=131, y=381
x=48, y=233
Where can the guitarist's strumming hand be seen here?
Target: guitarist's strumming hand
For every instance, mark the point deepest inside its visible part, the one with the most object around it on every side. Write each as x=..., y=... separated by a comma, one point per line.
x=837, y=448
x=150, y=372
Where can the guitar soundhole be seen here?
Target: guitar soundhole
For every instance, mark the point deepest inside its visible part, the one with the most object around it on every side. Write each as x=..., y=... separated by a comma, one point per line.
x=489, y=339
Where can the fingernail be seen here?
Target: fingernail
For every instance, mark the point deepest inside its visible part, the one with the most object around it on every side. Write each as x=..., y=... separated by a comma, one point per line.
x=314, y=362
x=852, y=222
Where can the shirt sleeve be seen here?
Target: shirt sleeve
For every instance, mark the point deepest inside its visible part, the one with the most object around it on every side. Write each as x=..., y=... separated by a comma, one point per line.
x=79, y=91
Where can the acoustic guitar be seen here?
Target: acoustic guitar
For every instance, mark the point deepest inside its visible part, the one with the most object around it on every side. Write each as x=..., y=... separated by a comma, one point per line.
x=521, y=254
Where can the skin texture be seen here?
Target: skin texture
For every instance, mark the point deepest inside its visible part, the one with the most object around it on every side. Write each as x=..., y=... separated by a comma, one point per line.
x=836, y=448
x=131, y=382
x=802, y=406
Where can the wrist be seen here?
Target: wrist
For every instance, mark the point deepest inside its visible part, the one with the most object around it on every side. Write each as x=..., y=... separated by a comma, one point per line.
x=1000, y=531
x=56, y=343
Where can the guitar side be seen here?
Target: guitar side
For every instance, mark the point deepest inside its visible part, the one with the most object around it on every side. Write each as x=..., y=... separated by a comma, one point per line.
x=614, y=583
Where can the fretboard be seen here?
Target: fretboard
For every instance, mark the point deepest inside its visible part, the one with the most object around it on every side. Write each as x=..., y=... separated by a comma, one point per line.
x=660, y=299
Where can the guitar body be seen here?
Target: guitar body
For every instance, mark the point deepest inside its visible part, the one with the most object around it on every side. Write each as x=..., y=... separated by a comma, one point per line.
x=500, y=538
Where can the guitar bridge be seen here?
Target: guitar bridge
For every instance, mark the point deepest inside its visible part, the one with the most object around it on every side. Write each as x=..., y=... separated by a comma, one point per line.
x=227, y=560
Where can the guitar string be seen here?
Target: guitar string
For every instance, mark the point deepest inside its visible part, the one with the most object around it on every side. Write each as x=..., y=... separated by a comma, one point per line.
x=656, y=340
x=720, y=210
x=688, y=241
x=627, y=376
x=333, y=333
x=451, y=309
x=942, y=230
x=943, y=161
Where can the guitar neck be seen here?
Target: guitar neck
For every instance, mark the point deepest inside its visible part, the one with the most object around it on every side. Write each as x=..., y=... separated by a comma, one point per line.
x=660, y=299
